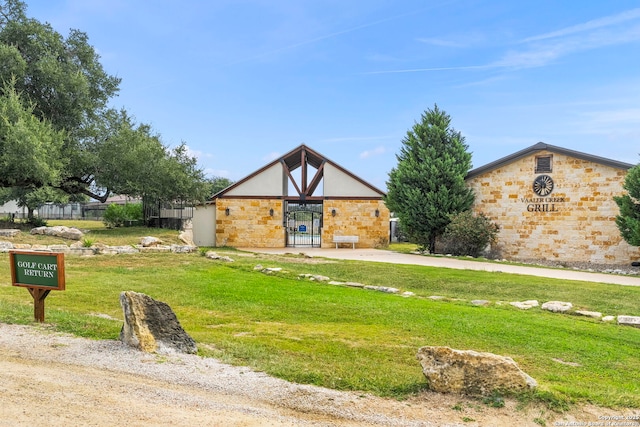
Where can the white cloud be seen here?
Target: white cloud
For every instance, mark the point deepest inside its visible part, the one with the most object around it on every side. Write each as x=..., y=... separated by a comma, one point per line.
x=198, y=154
x=545, y=48
x=589, y=25
x=375, y=152
x=540, y=54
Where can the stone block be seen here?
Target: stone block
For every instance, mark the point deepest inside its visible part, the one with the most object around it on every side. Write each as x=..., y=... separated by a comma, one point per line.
x=469, y=372
x=152, y=326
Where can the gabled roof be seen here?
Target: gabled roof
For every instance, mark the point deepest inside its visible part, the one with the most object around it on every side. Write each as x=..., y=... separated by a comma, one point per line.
x=541, y=146
x=301, y=156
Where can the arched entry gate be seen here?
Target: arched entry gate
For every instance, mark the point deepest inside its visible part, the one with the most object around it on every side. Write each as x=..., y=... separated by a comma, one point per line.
x=303, y=222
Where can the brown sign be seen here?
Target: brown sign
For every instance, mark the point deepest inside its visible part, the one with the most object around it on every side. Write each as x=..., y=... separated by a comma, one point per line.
x=40, y=273
x=33, y=269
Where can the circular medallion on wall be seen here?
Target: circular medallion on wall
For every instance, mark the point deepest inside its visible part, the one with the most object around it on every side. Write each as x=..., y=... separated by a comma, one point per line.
x=543, y=185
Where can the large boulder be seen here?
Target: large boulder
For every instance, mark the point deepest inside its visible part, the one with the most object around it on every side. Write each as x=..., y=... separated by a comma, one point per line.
x=70, y=233
x=152, y=326
x=470, y=372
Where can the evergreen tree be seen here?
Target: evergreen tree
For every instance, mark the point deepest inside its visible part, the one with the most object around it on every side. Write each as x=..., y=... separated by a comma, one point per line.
x=427, y=186
x=629, y=219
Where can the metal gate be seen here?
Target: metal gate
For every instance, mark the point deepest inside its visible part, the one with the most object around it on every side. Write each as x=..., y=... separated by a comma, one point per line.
x=303, y=224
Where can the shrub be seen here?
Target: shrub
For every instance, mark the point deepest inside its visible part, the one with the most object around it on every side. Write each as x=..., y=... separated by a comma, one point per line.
x=37, y=222
x=468, y=234
x=118, y=215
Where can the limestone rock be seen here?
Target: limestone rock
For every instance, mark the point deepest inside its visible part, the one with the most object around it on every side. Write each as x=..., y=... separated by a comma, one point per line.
x=155, y=248
x=608, y=318
x=150, y=241
x=386, y=289
x=629, y=321
x=183, y=249
x=6, y=246
x=314, y=277
x=480, y=302
x=557, y=306
x=469, y=372
x=80, y=251
x=354, y=284
x=213, y=255
x=152, y=326
x=186, y=237
x=59, y=231
x=525, y=305
x=594, y=314
x=9, y=232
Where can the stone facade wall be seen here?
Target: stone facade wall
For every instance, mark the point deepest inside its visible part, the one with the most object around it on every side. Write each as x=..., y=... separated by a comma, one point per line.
x=574, y=223
x=356, y=218
x=249, y=223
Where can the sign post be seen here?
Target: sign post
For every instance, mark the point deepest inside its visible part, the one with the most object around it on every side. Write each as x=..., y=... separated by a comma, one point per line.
x=40, y=273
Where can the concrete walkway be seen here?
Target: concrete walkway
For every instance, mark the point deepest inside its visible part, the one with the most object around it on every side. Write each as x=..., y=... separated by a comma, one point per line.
x=378, y=255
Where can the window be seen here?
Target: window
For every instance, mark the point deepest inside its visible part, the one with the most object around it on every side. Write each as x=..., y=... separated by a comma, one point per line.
x=544, y=164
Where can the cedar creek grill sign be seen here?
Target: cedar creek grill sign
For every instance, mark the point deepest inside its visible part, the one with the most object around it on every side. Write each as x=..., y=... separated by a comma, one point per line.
x=40, y=273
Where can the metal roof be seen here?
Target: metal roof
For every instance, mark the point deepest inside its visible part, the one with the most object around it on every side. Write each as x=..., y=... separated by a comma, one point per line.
x=541, y=146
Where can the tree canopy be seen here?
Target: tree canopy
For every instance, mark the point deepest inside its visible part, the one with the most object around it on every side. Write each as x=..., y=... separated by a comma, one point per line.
x=218, y=183
x=427, y=186
x=628, y=221
x=56, y=127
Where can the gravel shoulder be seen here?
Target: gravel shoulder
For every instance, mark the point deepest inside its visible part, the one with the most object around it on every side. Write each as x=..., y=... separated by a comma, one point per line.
x=55, y=379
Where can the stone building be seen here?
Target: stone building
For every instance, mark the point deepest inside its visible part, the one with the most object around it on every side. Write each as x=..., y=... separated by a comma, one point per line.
x=554, y=204
x=301, y=199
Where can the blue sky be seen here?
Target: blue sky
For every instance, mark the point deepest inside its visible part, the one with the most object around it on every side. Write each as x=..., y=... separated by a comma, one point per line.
x=245, y=81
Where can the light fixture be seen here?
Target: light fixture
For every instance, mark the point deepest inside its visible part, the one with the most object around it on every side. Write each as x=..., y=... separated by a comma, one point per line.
x=333, y=212
x=271, y=212
x=227, y=211
x=377, y=213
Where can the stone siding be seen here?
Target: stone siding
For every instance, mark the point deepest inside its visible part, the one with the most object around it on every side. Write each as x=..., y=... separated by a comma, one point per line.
x=356, y=218
x=249, y=223
x=574, y=223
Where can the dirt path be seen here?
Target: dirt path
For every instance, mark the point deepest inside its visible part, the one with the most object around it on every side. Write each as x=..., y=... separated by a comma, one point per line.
x=50, y=379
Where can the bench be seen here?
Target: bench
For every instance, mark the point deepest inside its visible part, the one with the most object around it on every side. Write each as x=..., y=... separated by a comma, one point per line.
x=345, y=239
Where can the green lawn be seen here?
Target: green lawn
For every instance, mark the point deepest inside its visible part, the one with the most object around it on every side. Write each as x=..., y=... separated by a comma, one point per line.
x=350, y=338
